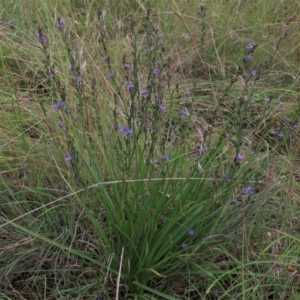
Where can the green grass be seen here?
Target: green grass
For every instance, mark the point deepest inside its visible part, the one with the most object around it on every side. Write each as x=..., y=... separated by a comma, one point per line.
x=115, y=221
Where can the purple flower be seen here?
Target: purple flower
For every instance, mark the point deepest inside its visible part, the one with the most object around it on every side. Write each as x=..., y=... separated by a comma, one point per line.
x=280, y=135
x=127, y=131
x=184, y=245
x=58, y=105
x=127, y=66
x=248, y=190
x=166, y=158
x=267, y=100
x=184, y=112
x=156, y=73
x=202, y=152
x=42, y=39
x=253, y=73
x=130, y=85
x=234, y=201
x=162, y=108
x=248, y=58
x=144, y=92
x=226, y=176
x=105, y=58
x=139, y=111
x=111, y=75
x=69, y=158
x=239, y=157
x=295, y=126
x=61, y=22
x=79, y=80
x=191, y=232
x=251, y=47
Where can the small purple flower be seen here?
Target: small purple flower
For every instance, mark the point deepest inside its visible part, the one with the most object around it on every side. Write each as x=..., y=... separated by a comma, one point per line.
x=69, y=158
x=184, y=245
x=111, y=75
x=202, y=151
x=156, y=73
x=239, y=157
x=105, y=58
x=58, y=105
x=184, y=112
x=127, y=66
x=248, y=190
x=61, y=22
x=79, y=80
x=130, y=85
x=166, y=158
x=139, y=112
x=191, y=232
x=162, y=108
x=248, y=58
x=127, y=131
x=295, y=126
x=280, y=135
x=144, y=92
x=226, y=176
x=234, y=201
x=267, y=100
x=251, y=47
x=253, y=73
x=42, y=39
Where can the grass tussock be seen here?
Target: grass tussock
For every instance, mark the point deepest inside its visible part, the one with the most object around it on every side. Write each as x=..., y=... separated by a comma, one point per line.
x=149, y=150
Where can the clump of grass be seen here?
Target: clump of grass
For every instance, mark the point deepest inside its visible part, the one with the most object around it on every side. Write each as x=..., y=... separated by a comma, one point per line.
x=150, y=165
